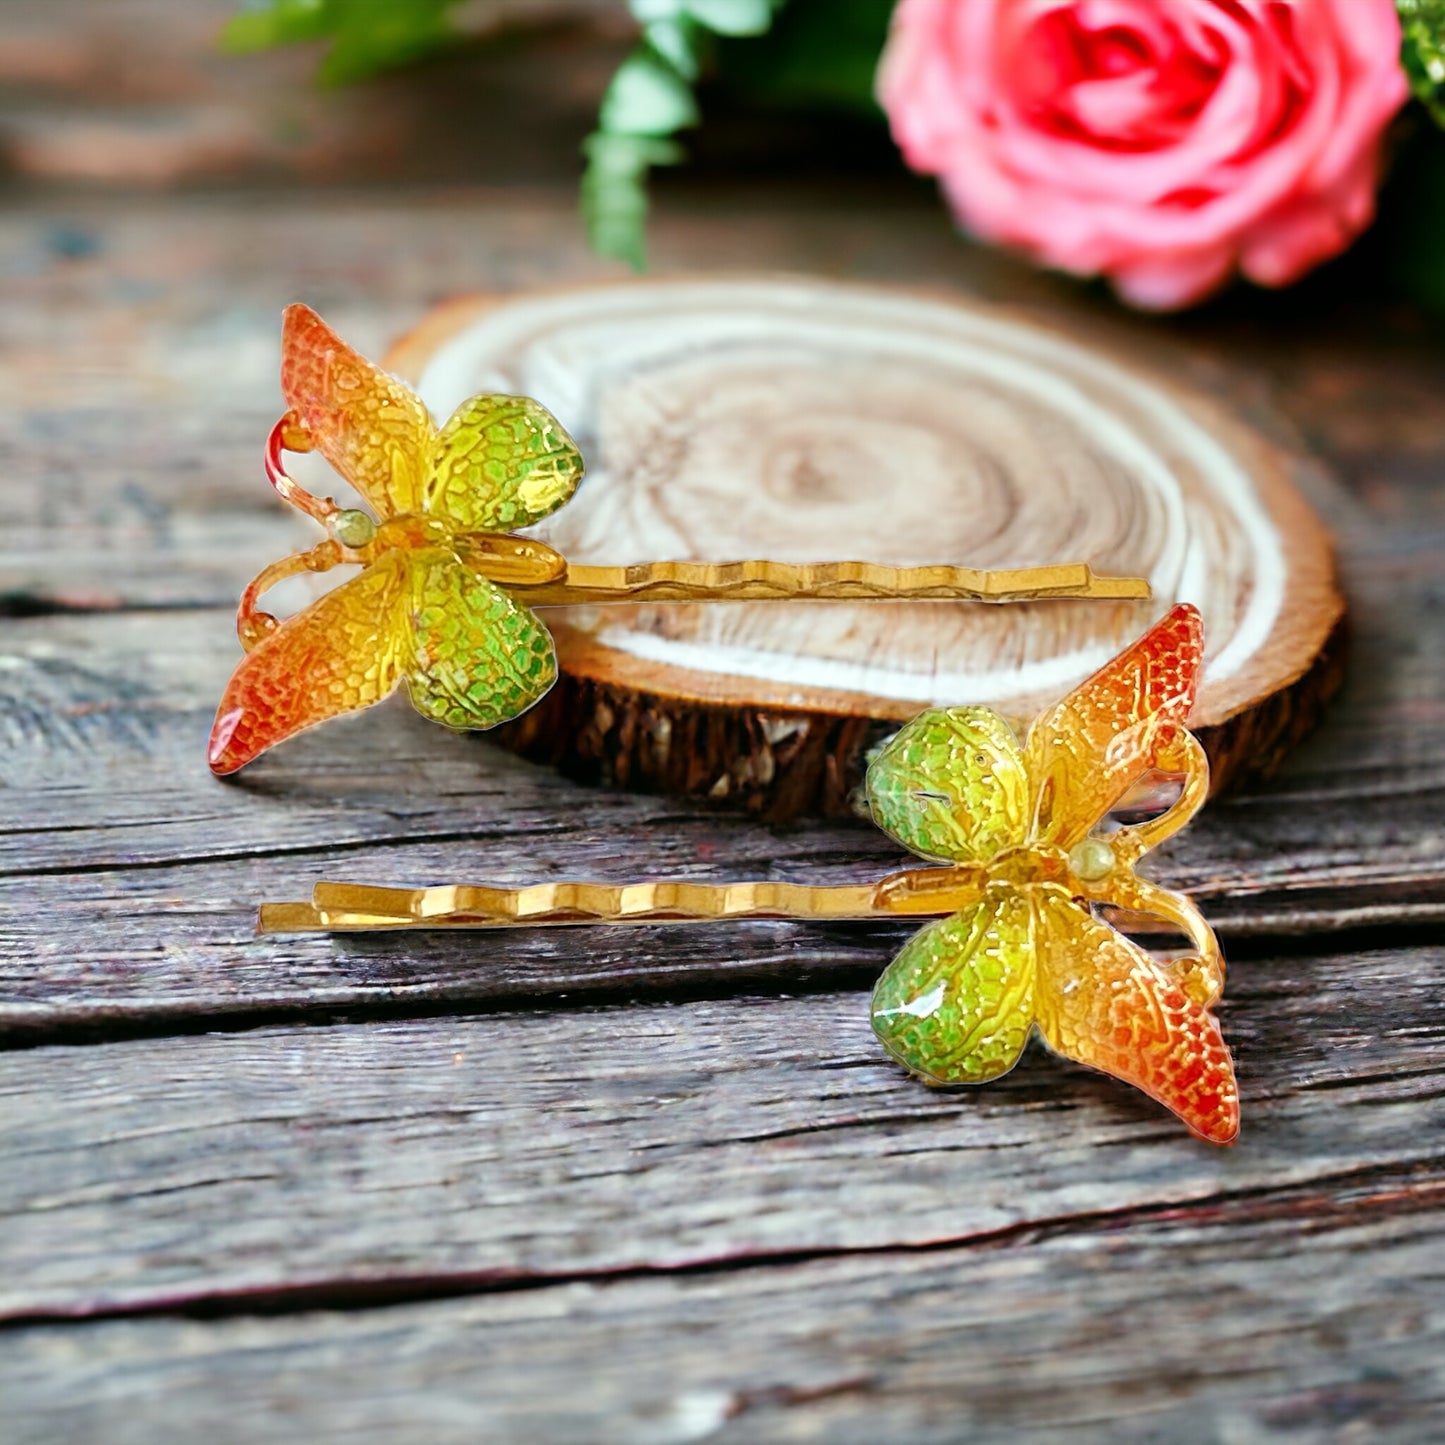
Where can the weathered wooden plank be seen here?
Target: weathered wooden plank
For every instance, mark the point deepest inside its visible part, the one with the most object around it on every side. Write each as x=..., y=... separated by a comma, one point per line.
x=133, y=874
x=156, y=949
x=1222, y=1321
x=130, y=478
x=445, y=1152
x=142, y=949
x=131, y=462
x=138, y=93
x=1081, y=1264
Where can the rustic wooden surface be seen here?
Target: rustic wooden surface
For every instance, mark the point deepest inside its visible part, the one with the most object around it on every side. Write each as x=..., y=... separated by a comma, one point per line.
x=656, y=1185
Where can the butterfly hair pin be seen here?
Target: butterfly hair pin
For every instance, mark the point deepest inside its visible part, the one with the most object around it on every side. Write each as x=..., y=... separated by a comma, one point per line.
x=1024, y=859
x=443, y=603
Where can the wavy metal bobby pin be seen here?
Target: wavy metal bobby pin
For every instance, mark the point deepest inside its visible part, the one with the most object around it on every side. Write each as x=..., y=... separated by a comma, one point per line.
x=444, y=603
x=1027, y=861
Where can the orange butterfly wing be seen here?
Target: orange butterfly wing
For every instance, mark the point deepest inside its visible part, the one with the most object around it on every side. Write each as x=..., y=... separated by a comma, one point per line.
x=370, y=426
x=1084, y=753
x=1101, y=1000
x=343, y=652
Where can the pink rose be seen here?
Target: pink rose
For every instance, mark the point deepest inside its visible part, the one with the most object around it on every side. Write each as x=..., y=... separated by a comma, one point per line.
x=1159, y=142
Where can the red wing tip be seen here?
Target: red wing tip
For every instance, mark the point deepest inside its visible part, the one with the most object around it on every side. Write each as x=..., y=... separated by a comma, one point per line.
x=1220, y=1127
x=1223, y=1136
x=298, y=313
x=1182, y=617
x=303, y=330
x=222, y=753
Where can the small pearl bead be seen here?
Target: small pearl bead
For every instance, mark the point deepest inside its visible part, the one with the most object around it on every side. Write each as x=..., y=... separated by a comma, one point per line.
x=1092, y=859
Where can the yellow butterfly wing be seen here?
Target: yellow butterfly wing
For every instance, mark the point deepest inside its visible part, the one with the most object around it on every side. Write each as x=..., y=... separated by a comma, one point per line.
x=1083, y=754
x=369, y=425
x=476, y=656
x=470, y=655
x=343, y=652
x=1101, y=1000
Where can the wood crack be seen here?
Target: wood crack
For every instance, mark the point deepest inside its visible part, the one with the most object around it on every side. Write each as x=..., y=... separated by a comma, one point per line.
x=1329, y=1201
x=25, y=606
x=758, y=973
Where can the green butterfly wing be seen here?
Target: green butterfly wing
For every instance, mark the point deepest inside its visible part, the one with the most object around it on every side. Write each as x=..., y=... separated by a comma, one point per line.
x=957, y=1004
x=478, y=656
x=951, y=786
x=500, y=463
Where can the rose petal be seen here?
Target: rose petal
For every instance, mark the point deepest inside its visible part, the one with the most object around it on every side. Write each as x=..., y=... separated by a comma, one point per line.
x=1160, y=142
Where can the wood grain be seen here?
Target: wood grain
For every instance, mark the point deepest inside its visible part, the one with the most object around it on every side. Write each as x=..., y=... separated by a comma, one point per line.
x=1351, y=835
x=823, y=1349
x=804, y=420
x=159, y=1173
x=1287, y=1289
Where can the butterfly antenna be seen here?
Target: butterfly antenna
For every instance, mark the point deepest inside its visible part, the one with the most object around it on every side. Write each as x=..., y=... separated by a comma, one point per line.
x=289, y=435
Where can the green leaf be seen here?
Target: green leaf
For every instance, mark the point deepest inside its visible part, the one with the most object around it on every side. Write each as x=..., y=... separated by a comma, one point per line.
x=647, y=100
x=734, y=17
x=1422, y=51
x=722, y=17
x=676, y=40
x=647, y=11
x=614, y=192
x=265, y=23
x=647, y=96
x=367, y=36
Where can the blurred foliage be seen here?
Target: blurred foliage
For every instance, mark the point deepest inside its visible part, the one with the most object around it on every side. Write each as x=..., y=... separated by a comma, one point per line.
x=1410, y=232
x=819, y=55
x=1405, y=249
x=649, y=100
x=367, y=36
x=1422, y=50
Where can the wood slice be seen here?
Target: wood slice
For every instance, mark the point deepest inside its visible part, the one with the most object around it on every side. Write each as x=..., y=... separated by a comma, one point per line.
x=806, y=420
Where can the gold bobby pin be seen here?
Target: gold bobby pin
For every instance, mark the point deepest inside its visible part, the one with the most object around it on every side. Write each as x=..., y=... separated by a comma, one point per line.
x=342, y=907
x=444, y=601
x=1024, y=858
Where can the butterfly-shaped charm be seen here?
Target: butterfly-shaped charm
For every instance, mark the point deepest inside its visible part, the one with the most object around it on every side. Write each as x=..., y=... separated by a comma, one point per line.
x=1022, y=826
x=426, y=611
